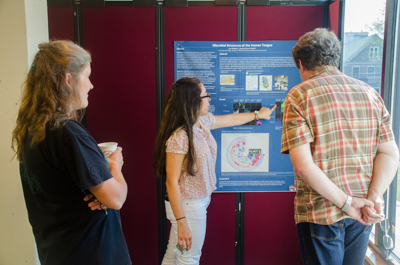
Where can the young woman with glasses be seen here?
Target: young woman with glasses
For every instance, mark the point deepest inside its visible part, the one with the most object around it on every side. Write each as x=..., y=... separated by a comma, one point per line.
x=186, y=152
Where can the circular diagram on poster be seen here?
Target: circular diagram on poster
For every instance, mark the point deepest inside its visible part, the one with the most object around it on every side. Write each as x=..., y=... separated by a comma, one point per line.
x=242, y=158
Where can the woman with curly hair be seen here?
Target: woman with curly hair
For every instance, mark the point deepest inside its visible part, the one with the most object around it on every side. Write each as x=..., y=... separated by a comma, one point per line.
x=60, y=163
x=186, y=154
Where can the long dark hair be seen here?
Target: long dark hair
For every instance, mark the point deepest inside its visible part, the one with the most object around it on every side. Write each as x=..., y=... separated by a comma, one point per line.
x=181, y=111
x=46, y=96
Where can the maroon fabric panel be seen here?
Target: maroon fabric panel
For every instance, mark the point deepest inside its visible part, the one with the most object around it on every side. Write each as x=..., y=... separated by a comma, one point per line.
x=334, y=17
x=206, y=23
x=219, y=245
x=122, y=108
x=270, y=229
x=196, y=23
x=282, y=22
x=61, y=22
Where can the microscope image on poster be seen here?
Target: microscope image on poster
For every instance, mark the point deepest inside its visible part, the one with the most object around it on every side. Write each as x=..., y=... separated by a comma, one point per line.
x=245, y=152
x=265, y=82
x=281, y=82
x=227, y=80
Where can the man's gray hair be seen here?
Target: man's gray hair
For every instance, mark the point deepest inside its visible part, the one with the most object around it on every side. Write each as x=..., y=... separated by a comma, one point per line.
x=316, y=48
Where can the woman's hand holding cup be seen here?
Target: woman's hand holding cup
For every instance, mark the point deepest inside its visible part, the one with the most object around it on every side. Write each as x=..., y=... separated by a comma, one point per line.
x=113, y=153
x=108, y=147
x=116, y=159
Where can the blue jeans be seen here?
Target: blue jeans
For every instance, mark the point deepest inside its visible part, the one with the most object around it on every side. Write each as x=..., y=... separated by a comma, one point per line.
x=344, y=242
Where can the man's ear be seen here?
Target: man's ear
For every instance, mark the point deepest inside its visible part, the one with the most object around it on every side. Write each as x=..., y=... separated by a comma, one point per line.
x=68, y=80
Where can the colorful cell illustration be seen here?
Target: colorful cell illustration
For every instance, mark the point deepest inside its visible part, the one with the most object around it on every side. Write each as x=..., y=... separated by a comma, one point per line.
x=241, y=158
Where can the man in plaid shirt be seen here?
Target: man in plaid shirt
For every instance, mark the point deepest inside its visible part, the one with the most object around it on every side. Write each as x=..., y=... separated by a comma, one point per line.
x=338, y=134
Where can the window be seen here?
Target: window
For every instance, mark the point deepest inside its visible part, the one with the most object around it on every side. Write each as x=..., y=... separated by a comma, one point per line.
x=356, y=72
x=371, y=71
x=373, y=52
x=363, y=40
x=393, y=97
x=363, y=46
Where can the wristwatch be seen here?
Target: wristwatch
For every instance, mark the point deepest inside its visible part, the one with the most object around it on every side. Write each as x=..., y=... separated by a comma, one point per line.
x=347, y=204
x=256, y=115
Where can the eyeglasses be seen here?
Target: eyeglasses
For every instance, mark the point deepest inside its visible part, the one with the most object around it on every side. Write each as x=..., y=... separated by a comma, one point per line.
x=207, y=96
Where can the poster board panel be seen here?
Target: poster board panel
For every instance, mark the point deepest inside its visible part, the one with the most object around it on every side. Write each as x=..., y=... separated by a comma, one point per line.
x=122, y=108
x=61, y=23
x=282, y=22
x=270, y=230
x=206, y=23
x=334, y=9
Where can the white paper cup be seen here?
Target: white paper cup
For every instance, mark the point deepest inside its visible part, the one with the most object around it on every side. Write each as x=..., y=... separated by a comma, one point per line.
x=108, y=148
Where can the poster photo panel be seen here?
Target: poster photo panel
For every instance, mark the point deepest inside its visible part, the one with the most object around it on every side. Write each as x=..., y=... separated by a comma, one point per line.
x=195, y=23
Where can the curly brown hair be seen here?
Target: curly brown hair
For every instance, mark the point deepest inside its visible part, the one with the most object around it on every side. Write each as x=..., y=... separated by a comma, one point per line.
x=181, y=111
x=316, y=48
x=46, y=96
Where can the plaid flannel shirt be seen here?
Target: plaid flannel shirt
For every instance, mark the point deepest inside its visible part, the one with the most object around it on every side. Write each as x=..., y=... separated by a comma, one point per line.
x=344, y=120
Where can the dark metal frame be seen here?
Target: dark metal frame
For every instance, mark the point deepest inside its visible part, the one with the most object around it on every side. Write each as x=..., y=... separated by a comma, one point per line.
x=389, y=48
x=119, y=3
x=78, y=23
x=341, y=29
x=341, y=20
x=240, y=196
x=93, y=2
x=160, y=98
x=239, y=228
x=78, y=31
x=59, y=2
x=395, y=116
x=299, y=3
x=391, y=95
x=325, y=22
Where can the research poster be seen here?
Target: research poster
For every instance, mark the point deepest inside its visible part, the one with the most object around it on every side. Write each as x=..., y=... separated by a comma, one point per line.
x=243, y=77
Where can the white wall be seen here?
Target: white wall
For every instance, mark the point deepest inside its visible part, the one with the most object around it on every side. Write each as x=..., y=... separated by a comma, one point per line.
x=23, y=25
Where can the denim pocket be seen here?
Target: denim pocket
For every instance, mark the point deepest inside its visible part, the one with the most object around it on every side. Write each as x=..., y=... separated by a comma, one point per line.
x=326, y=232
